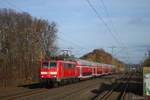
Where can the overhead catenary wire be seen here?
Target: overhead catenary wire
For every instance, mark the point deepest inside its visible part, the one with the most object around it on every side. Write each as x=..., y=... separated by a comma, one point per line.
x=73, y=43
x=13, y=6
x=101, y=20
x=112, y=24
x=106, y=25
x=110, y=20
x=77, y=44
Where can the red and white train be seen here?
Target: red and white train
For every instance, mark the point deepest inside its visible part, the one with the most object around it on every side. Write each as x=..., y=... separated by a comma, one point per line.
x=61, y=71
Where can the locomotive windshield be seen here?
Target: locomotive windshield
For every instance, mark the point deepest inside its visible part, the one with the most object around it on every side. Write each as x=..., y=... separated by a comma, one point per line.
x=52, y=64
x=45, y=64
x=49, y=64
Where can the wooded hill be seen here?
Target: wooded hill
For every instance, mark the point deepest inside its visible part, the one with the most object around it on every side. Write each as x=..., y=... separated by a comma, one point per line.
x=146, y=62
x=99, y=55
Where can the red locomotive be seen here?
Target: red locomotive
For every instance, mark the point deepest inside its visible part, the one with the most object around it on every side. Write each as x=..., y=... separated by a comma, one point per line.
x=63, y=71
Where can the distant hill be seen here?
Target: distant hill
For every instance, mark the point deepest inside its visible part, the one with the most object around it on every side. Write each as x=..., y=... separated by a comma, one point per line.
x=101, y=56
x=146, y=62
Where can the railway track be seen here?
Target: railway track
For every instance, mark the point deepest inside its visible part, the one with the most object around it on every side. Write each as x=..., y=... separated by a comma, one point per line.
x=123, y=95
x=77, y=91
x=62, y=96
x=69, y=95
x=22, y=94
x=118, y=86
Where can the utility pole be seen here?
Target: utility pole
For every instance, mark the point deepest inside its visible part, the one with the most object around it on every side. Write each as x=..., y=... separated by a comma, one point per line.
x=149, y=54
x=112, y=52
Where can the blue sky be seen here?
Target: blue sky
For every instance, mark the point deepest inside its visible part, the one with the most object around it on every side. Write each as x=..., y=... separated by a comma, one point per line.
x=81, y=30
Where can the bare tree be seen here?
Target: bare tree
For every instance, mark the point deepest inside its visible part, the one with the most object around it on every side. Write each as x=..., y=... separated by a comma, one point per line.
x=22, y=38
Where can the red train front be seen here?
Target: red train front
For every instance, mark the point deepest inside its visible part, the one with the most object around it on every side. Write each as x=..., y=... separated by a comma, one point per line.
x=58, y=71
x=48, y=70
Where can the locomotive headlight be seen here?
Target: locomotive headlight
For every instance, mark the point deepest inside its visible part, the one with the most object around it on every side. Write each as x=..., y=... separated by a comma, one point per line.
x=52, y=73
x=43, y=72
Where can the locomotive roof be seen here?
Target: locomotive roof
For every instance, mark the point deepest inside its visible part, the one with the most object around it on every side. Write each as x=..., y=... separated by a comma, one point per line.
x=64, y=61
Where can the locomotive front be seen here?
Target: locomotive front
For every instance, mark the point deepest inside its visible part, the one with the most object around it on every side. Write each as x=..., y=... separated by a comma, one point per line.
x=48, y=71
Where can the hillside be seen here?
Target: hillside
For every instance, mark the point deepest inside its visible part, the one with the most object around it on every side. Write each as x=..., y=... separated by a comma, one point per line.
x=146, y=62
x=99, y=55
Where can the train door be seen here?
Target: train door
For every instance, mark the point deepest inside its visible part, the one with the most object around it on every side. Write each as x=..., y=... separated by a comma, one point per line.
x=60, y=71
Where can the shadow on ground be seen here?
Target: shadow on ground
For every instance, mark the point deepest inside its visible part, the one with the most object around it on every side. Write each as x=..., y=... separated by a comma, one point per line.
x=32, y=86
x=134, y=88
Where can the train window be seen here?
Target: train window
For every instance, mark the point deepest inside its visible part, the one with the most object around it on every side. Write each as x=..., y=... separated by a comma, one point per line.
x=66, y=65
x=69, y=65
x=72, y=65
x=52, y=64
x=49, y=64
x=45, y=64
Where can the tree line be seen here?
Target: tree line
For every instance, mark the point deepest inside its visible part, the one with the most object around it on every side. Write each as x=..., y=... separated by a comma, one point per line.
x=22, y=39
